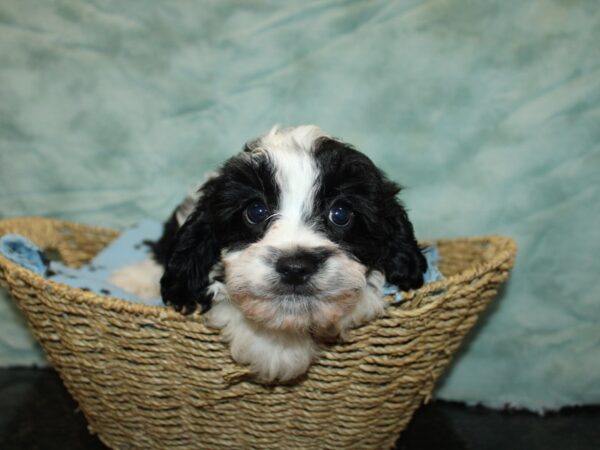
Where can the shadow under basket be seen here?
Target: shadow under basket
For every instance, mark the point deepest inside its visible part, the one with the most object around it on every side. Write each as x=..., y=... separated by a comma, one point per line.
x=149, y=378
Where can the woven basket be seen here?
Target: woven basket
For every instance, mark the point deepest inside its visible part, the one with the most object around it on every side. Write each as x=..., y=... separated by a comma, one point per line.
x=150, y=378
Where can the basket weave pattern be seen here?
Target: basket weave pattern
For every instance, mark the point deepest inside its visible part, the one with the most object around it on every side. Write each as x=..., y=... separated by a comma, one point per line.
x=150, y=378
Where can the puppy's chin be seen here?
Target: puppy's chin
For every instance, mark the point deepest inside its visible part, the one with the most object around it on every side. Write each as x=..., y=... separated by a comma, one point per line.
x=315, y=314
x=271, y=354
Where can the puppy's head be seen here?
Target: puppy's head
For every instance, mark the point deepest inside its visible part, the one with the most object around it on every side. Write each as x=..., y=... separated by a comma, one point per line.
x=296, y=223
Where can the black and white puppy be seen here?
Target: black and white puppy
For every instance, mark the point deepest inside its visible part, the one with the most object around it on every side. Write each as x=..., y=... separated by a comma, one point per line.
x=288, y=242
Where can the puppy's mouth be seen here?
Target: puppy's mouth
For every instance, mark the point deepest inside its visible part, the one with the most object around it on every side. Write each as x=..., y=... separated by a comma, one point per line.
x=299, y=291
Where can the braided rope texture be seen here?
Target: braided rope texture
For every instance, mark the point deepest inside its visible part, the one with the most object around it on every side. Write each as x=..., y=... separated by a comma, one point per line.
x=149, y=378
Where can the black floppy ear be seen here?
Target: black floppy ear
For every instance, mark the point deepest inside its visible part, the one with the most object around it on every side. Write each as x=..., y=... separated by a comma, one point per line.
x=192, y=254
x=403, y=262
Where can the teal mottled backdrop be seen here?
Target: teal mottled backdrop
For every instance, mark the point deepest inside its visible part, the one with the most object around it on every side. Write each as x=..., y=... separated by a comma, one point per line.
x=488, y=111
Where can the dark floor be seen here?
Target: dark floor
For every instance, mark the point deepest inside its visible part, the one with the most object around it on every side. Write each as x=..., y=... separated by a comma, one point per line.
x=36, y=412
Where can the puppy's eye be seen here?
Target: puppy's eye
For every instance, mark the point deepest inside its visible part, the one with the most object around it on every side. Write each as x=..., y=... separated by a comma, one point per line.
x=340, y=215
x=256, y=212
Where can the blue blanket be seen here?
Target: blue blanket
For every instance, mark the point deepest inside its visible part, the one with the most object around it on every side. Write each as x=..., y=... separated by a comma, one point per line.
x=128, y=248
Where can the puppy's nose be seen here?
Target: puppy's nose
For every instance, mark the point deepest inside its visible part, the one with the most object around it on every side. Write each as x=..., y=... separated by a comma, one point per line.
x=297, y=268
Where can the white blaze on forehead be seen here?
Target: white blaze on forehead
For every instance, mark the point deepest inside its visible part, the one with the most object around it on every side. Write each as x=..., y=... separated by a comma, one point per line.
x=296, y=177
x=291, y=150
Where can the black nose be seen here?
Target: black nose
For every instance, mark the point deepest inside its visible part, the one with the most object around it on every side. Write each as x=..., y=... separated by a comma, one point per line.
x=298, y=267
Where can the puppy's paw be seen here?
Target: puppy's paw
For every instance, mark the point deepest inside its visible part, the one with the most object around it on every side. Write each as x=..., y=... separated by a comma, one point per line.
x=182, y=300
x=408, y=269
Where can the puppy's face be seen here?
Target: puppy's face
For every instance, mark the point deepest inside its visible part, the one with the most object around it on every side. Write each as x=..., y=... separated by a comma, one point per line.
x=297, y=222
x=295, y=267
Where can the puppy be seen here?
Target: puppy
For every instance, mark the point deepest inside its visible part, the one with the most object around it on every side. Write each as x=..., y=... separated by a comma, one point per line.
x=289, y=242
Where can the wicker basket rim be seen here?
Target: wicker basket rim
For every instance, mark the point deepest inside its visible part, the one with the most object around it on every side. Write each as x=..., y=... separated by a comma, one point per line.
x=507, y=245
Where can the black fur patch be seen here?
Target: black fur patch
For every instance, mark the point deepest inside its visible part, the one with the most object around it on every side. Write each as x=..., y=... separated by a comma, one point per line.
x=381, y=236
x=216, y=223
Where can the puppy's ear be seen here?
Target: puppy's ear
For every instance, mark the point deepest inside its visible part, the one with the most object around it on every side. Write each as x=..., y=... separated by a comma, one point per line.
x=192, y=254
x=403, y=262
